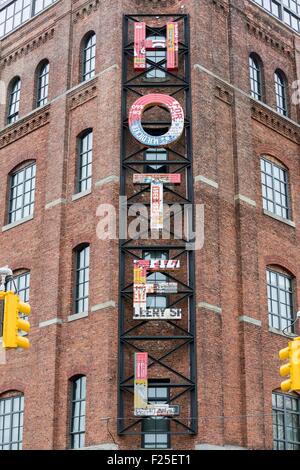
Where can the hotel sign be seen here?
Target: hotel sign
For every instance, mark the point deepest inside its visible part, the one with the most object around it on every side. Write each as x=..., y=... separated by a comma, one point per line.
x=141, y=406
x=141, y=45
x=141, y=288
x=147, y=101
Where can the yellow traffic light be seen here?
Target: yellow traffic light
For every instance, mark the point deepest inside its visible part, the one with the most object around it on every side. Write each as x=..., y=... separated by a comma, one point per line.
x=12, y=323
x=292, y=368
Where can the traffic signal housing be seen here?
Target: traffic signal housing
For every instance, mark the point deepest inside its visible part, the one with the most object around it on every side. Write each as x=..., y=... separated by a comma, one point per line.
x=12, y=323
x=292, y=368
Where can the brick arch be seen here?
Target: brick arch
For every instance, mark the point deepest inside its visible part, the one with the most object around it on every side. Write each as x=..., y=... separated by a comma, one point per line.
x=22, y=163
x=78, y=244
x=76, y=370
x=281, y=262
x=273, y=151
x=20, y=268
x=12, y=386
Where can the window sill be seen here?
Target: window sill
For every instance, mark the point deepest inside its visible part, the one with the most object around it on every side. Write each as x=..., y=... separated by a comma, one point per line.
x=18, y=222
x=280, y=219
x=80, y=195
x=279, y=332
x=78, y=316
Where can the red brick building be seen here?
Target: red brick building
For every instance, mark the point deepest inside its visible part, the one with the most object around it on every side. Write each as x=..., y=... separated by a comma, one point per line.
x=62, y=85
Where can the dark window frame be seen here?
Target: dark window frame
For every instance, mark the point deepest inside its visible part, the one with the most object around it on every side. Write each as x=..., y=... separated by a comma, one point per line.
x=79, y=179
x=282, y=411
x=283, y=12
x=256, y=77
x=73, y=402
x=153, y=277
x=14, y=97
x=159, y=53
x=162, y=167
x=153, y=384
x=264, y=160
x=20, y=412
x=281, y=95
x=13, y=174
x=42, y=83
x=76, y=257
x=85, y=47
x=23, y=292
x=289, y=320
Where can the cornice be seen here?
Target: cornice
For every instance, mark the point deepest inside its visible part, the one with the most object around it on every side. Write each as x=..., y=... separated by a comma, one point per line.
x=269, y=39
x=85, y=10
x=82, y=95
x=160, y=3
x=223, y=93
x=29, y=27
x=24, y=126
x=221, y=6
x=275, y=122
x=24, y=49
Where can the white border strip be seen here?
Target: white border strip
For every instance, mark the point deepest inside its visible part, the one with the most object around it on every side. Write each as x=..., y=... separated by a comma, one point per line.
x=250, y=320
x=207, y=181
x=241, y=197
x=53, y=321
x=211, y=307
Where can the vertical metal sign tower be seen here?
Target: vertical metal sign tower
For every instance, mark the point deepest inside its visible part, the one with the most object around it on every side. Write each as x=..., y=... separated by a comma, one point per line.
x=157, y=268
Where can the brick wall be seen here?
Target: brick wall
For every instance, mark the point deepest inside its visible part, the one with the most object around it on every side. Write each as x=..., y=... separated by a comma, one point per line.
x=237, y=361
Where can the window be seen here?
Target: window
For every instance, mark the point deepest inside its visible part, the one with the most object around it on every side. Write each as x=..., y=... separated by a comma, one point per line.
x=82, y=279
x=156, y=55
x=88, y=57
x=42, y=84
x=274, y=180
x=155, y=430
x=156, y=301
x=14, y=101
x=18, y=11
x=85, y=161
x=159, y=155
x=78, y=394
x=22, y=189
x=286, y=10
x=280, y=92
x=21, y=284
x=255, y=77
x=40, y=5
x=280, y=300
x=286, y=423
x=11, y=422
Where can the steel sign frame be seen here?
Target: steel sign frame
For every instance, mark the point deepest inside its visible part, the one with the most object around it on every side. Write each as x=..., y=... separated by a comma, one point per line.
x=171, y=348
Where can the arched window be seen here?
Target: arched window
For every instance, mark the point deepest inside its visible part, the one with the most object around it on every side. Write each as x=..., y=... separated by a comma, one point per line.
x=42, y=83
x=280, y=291
x=281, y=92
x=255, y=73
x=82, y=268
x=275, y=188
x=84, y=161
x=22, y=192
x=156, y=55
x=286, y=421
x=88, y=56
x=21, y=286
x=11, y=421
x=14, y=91
x=78, y=402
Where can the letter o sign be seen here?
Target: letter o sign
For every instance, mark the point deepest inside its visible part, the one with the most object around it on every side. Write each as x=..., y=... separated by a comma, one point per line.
x=135, y=118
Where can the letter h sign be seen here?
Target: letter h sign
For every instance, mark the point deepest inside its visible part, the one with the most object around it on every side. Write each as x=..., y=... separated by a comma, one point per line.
x=141, y=45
